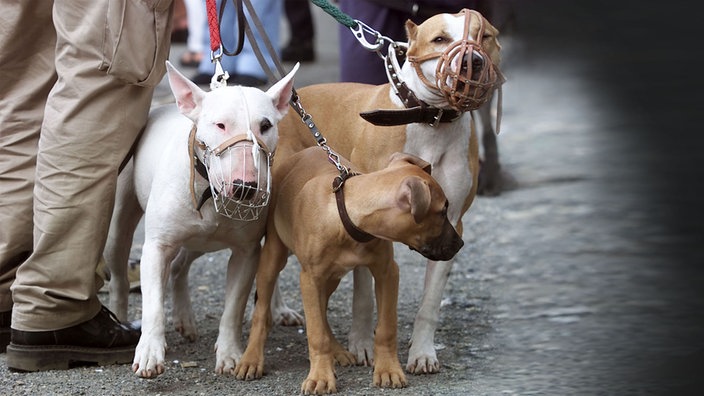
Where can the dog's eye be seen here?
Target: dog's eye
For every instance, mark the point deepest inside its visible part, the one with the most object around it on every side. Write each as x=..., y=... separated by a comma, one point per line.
x=220, y=125
x=439, y=39
x=265, y=125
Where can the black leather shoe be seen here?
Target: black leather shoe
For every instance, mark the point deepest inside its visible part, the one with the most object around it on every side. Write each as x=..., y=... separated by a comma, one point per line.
x=202, y=79
x=102, y=340
x=5, y=318
x=246, y=80
x=298, y=52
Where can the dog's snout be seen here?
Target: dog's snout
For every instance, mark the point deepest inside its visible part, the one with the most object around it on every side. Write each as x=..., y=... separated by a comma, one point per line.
x=477, y=63
x=445, y=246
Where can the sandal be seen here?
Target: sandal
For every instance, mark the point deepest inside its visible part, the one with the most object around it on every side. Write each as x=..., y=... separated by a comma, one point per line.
x=191, y=59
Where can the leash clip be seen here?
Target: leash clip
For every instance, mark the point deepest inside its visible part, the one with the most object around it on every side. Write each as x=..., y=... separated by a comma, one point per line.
x=221, y=75
x=359, y=31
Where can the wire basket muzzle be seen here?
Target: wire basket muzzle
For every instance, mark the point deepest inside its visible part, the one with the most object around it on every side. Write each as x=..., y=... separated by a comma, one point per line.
x=240, y=180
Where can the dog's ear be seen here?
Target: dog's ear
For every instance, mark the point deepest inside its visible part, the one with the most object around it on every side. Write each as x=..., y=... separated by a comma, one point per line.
x=282, y=90
x=414, y=195
x=411, y=30
x=412, y=159
x=188, y=95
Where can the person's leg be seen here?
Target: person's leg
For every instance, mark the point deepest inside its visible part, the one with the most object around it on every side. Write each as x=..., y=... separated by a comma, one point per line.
x=357, y=64
x=26, y=76
x=301, y=44
x=91, y=119
x=269, y=13
x=93, y=113
x=244, y=68
x=195, y=14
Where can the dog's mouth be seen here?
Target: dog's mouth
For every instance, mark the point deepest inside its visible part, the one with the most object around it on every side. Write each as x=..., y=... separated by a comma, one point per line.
x=240, y=180
x=241, y=190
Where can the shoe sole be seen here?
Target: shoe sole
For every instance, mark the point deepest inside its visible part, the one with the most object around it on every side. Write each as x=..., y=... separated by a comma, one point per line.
x=62, y=357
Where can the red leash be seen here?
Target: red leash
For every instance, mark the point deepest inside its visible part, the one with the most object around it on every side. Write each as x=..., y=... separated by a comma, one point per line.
x=217, y=49
x=214, y=26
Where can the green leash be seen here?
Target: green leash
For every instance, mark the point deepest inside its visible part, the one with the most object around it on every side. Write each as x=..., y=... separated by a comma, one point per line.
x=336, y=13
x=357, y=27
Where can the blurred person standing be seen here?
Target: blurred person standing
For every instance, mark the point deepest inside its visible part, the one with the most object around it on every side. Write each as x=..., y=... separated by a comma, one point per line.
x=301, y=44
x=244, y=68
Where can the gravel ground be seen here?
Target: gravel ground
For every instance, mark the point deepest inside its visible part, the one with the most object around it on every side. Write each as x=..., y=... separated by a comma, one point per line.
x=583, y=278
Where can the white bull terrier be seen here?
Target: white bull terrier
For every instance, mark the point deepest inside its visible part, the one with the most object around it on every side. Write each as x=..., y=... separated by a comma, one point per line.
x=217, y=149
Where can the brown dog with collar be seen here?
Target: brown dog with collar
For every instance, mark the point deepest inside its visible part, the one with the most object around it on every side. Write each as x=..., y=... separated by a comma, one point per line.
x=333, y=224
x=428, y=118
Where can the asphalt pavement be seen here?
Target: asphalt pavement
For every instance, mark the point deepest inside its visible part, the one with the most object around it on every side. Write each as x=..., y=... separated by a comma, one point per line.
x=584, y=277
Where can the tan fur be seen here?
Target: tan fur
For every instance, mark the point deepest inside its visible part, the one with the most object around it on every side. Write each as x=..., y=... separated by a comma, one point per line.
x=335, y=109
x=401, y=202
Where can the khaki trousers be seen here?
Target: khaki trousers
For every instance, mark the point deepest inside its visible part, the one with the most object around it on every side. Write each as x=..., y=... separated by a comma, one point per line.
x=76, y=82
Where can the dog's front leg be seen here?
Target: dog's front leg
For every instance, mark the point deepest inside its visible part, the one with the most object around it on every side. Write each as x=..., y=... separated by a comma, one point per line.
x=387, y=368
x=240, y=276
x=183, y=318
x=361, y=337
x=321, y=377
x=149, y=354
x=422, y=358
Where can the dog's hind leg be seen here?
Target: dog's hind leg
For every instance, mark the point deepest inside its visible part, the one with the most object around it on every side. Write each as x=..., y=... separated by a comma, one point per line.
x=490, y=183
x=361, y=337
x=282, y=314
x=126, y=215
x=183, y=318
x=422, y=358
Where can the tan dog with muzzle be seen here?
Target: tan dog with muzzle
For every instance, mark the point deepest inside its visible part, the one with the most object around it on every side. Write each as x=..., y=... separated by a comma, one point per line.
x=435, y=125
x=334, y=228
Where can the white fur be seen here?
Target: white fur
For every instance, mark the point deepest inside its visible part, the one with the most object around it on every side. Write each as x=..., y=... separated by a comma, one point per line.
x=156, y=183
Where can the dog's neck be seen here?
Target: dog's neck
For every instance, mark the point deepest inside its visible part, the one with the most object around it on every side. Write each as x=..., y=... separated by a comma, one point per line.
x=415, y=106
x=431, y=97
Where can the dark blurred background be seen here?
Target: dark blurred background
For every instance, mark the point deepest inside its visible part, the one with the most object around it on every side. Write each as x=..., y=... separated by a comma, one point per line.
x=644, y=61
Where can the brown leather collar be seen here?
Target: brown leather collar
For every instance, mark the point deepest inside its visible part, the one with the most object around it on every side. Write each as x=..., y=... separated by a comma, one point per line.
x=416, y=110
x=355, y=232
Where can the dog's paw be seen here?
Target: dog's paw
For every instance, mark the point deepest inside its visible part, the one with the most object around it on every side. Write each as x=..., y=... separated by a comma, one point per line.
x=389, y=377
x=422, y=360
x=343, y=357
x=226, y=358
x=249, y=369
x=314, y=385
x=286, y=316
x=149, y=359
x=186, y=328
x=362, y=348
